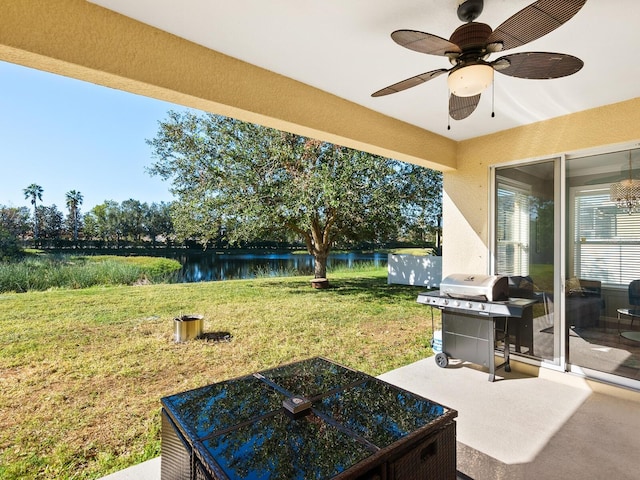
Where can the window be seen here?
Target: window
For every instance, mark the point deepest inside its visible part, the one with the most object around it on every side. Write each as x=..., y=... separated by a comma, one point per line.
x=605, y=239
x=512, y=228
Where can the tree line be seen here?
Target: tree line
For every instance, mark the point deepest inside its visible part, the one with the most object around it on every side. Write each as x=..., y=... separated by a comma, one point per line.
x=108, y=225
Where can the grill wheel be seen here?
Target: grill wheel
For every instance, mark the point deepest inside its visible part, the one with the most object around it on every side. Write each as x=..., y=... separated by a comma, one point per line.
x=442, y=360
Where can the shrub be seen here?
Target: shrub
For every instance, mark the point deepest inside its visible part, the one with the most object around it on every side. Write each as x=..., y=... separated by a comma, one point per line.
x=9, y=246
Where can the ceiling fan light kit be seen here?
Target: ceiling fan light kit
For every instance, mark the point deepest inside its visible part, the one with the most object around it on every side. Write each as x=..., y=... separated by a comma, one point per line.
x=472, y=43
x=470, y=80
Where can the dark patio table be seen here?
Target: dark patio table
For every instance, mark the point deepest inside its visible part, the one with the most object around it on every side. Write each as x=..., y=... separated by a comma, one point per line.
x=354, y=427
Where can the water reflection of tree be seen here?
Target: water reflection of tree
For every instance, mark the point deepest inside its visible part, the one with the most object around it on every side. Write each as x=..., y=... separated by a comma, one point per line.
x=223, y=405
x=278, y=447
x=542, y=214
x=380, y=412
x=313, y=377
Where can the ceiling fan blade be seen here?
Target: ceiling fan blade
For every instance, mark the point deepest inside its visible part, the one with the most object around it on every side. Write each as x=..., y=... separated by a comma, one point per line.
x=424, y=42
x=409, y=82
x=538, y=65
x=461, y=107
x=534, y=21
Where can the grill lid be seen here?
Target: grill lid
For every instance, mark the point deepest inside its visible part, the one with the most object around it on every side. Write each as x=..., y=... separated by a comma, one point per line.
x=491, y=288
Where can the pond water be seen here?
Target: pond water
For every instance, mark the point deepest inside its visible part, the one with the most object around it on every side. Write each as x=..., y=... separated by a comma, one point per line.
x=228, y=266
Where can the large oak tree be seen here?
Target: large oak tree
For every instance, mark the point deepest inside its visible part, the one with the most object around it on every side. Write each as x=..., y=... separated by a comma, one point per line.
x=248, y=180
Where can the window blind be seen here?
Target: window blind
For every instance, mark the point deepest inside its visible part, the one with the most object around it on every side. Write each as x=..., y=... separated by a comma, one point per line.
x=606, y=239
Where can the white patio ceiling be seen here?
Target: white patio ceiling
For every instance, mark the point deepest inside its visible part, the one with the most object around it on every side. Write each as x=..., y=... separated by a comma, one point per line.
x=344, y=48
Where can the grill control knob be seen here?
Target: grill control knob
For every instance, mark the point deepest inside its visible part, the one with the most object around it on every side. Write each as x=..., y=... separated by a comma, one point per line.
x=482, y=306
x=469, y=305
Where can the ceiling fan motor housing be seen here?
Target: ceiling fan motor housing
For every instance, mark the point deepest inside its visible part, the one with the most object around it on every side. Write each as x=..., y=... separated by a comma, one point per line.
x=472, y=40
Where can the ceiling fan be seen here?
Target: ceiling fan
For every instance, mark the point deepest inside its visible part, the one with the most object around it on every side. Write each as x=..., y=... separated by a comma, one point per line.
x=471, y=44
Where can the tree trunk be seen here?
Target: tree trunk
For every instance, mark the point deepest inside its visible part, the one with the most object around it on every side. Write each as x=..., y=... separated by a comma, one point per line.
x=318, y=243
x=35, y=224
x=75, y=227
x=320, y=265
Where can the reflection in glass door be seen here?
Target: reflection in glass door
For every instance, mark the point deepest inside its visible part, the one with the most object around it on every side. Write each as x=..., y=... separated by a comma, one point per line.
x=602, y=262
x=524, y=249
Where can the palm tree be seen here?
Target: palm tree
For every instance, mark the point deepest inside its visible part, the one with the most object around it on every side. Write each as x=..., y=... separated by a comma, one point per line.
x=34, y=193
x=74, y=200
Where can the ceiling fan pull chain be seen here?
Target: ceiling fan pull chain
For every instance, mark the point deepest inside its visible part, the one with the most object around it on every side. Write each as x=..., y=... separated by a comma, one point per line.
x=493, y=98
x=448, y=114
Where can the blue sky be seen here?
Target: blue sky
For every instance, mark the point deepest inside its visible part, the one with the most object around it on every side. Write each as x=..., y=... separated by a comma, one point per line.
x=64, y=134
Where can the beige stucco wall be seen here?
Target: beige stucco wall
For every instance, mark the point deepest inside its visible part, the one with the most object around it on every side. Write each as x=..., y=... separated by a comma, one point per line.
x=81, y=40
x=466, y=199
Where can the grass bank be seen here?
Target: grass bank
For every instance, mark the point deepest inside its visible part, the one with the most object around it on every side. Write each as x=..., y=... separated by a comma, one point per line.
x=82, y=371
x=44, y=271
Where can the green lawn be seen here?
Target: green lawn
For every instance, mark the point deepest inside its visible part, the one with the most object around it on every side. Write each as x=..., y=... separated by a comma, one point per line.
x=82, y=371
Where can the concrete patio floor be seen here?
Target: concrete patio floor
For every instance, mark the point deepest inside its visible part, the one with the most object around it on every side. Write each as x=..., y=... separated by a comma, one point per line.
x=520, y=427
x=551, y=426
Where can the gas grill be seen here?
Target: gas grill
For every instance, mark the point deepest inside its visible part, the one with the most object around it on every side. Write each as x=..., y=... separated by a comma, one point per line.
x=476, y=310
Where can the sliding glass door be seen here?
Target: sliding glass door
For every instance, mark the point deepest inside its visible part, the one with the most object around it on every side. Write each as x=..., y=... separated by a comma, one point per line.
x=602, y=261
x=525, y=241
x=567, y=233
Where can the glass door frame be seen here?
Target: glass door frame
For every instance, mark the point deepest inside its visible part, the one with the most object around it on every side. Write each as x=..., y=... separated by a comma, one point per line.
x=560, y=355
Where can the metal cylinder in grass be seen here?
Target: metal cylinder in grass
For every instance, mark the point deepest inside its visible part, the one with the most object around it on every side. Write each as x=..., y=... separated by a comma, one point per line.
x=188, y=327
